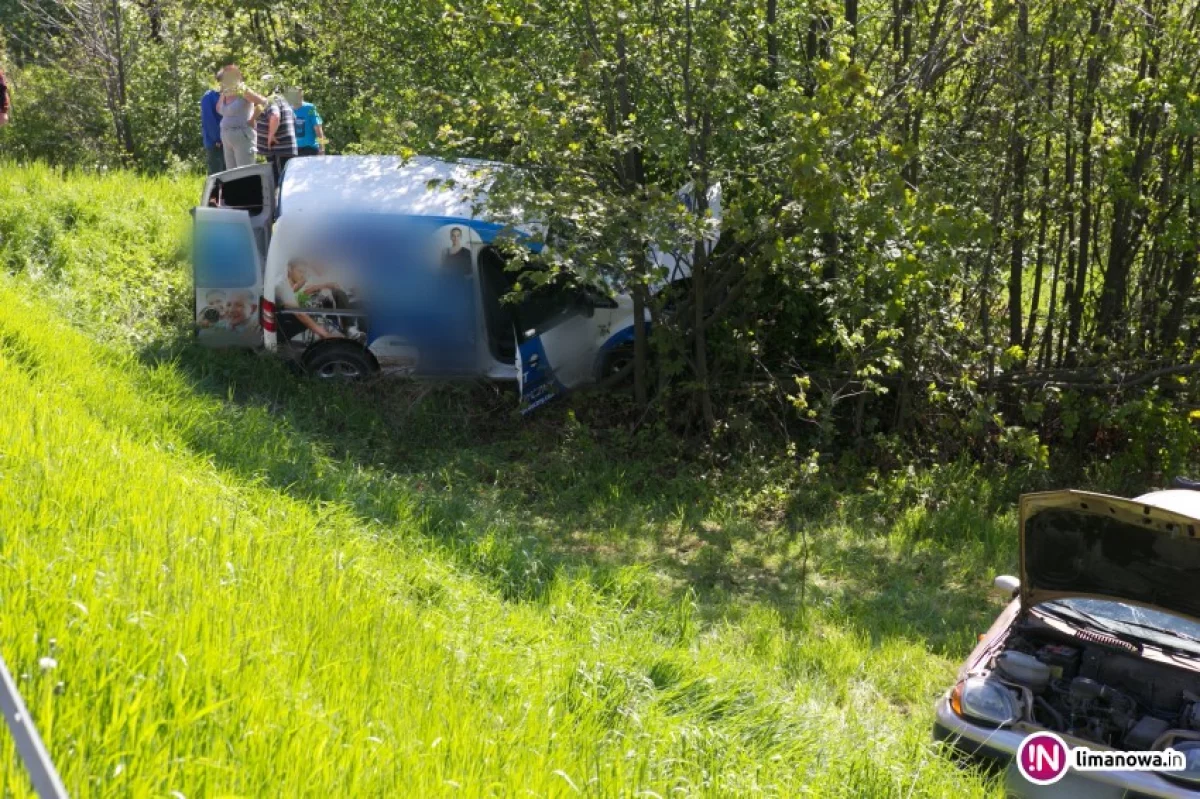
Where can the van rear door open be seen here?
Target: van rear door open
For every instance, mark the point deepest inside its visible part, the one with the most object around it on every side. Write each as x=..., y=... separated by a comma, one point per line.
x=247, y=188
x=231, y=232
x=227, y=271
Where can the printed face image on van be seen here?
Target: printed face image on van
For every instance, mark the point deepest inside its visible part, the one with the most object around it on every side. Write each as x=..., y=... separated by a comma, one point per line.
x=457, y=247
x=235, y=311
x=226, y=275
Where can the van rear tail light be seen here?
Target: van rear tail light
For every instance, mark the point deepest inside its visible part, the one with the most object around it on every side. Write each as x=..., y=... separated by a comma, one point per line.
x=267, y=314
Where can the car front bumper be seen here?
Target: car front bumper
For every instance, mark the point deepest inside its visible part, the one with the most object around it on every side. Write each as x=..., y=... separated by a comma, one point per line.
x=998, y=749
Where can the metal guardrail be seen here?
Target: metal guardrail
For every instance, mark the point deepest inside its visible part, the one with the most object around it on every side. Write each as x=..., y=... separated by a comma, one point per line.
x=42, y=773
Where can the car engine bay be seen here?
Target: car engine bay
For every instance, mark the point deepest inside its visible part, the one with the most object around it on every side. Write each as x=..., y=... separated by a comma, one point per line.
x=1098, y=688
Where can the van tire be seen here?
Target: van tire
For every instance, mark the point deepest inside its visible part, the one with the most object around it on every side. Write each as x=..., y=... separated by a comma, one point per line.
x=611, y=365
x=340, y=361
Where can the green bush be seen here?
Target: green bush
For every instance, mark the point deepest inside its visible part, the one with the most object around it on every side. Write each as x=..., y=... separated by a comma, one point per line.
x=111, y=246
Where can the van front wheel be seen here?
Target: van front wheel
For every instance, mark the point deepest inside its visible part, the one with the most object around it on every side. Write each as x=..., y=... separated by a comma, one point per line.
x=616, y=368
x=338, y=361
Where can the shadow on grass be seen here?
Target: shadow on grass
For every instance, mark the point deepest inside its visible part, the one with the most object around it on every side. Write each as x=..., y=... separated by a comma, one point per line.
x=522, y=500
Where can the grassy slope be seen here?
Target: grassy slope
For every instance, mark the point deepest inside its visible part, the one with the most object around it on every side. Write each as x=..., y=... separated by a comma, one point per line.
x=253, y=585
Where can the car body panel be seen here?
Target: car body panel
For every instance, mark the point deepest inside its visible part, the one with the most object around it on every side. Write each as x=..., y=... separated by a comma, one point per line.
x=227, y=278
x=414, y=308
x=675, y=258
x=246, y=188
x=1079, y=544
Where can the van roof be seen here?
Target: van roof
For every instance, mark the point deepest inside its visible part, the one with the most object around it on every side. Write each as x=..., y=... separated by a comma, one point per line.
x=387, y=184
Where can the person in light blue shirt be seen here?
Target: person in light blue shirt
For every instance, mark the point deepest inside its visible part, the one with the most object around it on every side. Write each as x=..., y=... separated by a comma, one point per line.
x=210, y=128
x=310, y=133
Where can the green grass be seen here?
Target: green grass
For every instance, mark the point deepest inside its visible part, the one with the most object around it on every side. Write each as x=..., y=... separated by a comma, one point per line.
x=255, y=585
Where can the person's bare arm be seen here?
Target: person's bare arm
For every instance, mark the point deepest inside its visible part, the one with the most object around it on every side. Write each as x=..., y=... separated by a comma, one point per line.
x=313, y=288
x=254, y=97
x=320, y=130
x=3, y=118
x=272, y=126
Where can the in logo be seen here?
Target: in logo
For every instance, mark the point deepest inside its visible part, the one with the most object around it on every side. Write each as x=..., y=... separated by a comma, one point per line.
x=1042, y=758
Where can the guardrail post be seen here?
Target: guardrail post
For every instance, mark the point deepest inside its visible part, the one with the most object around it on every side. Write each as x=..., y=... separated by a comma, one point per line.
x=33, y=752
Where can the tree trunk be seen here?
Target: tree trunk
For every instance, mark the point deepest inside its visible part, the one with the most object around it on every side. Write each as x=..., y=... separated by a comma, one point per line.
x=851, y=14
x=632, y=171
x=1043, y=220
x=1184, y=278
x=1128, y=215
x=1072, y=151
x=641, y=347
x=118, y=52
x=699, y=278
x=1086, y=119
x=985, y=289
x=772, y=44
x=1019, y=156
x=1047, y=348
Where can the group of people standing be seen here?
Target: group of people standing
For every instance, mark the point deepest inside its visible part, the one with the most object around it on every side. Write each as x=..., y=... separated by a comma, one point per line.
x=239, y=123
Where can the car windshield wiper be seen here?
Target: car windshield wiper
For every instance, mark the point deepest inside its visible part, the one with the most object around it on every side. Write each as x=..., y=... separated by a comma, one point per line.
x=1112, y=627
x=1075, y=615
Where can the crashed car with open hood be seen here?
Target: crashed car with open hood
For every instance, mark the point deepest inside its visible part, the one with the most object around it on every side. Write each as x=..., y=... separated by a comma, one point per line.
x=1100, y=643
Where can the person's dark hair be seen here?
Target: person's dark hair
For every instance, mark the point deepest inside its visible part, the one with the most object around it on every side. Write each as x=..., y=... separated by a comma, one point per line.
x=457, y=230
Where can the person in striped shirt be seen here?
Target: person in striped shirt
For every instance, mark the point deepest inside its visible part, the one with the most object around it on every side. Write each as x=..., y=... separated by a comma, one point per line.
x=276, y=129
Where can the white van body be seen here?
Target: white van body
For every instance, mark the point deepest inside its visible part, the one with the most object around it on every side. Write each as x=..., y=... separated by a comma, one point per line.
x=418, y=231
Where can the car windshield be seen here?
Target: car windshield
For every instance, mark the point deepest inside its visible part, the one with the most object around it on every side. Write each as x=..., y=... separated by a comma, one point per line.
x=1133, y=619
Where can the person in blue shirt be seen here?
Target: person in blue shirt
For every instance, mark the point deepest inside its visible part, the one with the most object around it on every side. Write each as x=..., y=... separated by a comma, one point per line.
x=210, y=126
x=310, y=133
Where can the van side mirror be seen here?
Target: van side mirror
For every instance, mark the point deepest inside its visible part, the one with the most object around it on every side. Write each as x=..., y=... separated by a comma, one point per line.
x=1006, y=586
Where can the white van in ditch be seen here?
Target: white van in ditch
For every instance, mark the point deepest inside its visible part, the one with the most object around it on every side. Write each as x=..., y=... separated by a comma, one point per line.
x=369, y=264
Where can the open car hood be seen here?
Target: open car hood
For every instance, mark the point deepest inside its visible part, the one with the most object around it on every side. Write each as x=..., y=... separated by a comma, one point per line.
x=1143, y=551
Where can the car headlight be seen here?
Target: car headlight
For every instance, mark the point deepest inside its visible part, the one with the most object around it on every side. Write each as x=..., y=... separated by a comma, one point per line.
x=981, y=699
x=1191, y=772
